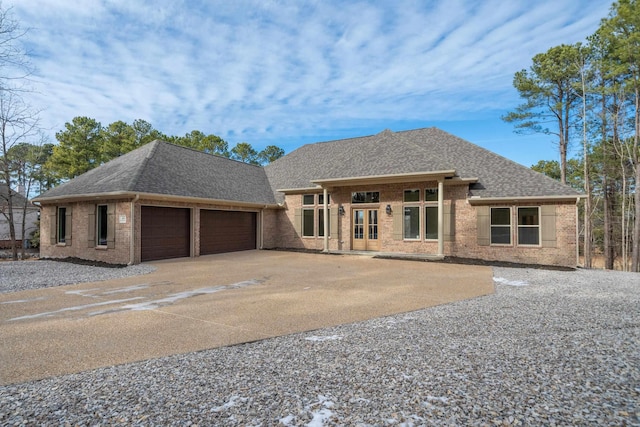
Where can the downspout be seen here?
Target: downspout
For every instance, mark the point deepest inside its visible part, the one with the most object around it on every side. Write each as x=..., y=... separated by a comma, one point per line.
x=578, y=232
x=132, y=235
x=440, y=217
x=325, y=207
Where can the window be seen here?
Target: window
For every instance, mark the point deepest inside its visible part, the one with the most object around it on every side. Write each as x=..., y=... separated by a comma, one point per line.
x=412, y=222
x=321, y=222
x=411, y=195
x=501, y=226
x=321, y=199
x=528, y=226
x=431, y=222
x=62, y=225
x=307, y=222
x=431, y=214
x=308, y=199
x=431, y=195
x=365, y=197
x=101, y=226
x=411, y=218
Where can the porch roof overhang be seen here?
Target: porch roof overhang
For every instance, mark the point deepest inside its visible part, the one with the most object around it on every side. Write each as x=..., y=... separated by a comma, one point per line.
x=477, y=201
x=386, y=179
x=126, y=195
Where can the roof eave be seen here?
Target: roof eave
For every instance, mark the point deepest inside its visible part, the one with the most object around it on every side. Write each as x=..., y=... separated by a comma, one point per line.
x=151, y=196
x=384, y=179
x=476, y=200
x=300, y=190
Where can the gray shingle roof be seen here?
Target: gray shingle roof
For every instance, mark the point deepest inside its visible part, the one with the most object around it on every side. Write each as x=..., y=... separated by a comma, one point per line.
x=166, y=169
x=414, y=151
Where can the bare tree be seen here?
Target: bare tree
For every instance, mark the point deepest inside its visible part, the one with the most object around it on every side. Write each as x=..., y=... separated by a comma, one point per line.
x=18, y=123
x=14, y=62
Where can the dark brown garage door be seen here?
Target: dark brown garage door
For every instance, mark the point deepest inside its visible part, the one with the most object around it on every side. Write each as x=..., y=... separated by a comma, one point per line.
x=227, y=231
x=165, y=233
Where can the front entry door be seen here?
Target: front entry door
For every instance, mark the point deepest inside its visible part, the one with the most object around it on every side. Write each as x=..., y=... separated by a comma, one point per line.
x=365, y=230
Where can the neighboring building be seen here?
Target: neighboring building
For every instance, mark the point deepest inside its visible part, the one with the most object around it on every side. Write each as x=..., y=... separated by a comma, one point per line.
x=31, y=219
x=420, y=192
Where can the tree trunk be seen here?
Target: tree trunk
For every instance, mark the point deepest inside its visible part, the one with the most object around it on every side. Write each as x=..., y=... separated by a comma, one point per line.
x=635, y=257
x=635, y=261
x=609, y=253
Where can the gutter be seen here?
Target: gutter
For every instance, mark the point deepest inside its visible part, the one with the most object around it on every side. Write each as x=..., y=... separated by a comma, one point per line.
x=152, y=196
x=477, y=200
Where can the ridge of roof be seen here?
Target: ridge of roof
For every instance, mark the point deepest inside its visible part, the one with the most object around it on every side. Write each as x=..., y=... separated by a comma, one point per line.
x=136, y=176
x=408, y=151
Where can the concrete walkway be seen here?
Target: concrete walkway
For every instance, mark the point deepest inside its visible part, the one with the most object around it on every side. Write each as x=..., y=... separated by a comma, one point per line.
x=212, y=301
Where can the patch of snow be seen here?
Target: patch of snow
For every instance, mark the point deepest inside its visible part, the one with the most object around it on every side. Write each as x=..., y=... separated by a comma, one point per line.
x=173, y=298
x=320, y=338
x=418, y=421
x=323, y=414
x=83, y=292
x=74, y=308
x=127, y=289
x=233, y=401
x=17, y=301
x=288, y=420
x=437, y=399
x=508, y=282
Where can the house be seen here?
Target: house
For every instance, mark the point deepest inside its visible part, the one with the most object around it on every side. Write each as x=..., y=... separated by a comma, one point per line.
x=30, y=219
x=422, y=191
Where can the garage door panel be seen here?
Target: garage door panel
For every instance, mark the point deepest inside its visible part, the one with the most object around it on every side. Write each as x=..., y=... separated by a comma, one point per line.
x=165, y=233
x=227, y=231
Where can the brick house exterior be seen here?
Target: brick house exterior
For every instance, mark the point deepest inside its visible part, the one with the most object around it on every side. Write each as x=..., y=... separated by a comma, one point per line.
x=415, y=192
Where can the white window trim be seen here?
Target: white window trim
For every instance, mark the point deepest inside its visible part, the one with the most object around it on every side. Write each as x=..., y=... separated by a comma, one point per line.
x=413, y=204
x=61, y=240
x=539, y=226
x=312, y=209
x=511, y=239
x=430, y=203
x=356, y=204
x=98, y=245
x=420, y=219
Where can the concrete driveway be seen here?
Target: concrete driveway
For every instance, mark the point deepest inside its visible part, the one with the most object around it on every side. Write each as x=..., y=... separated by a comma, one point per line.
x=194, y=304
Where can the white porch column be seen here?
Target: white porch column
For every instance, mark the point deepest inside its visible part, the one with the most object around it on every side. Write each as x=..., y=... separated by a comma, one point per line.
x=325, y=207
x=440, y=216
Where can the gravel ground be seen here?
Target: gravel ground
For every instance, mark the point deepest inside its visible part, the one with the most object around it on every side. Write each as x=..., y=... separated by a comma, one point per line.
x=549, y=348
x=22, y=275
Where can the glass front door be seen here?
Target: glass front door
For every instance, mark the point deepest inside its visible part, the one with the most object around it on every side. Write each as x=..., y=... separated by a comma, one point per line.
x=365, y=230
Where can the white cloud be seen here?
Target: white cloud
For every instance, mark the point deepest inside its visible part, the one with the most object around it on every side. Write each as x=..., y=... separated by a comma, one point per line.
x=262, y=70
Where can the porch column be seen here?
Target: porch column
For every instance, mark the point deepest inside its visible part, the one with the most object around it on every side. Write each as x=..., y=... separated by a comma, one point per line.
x=325, y=218
x=440, y=216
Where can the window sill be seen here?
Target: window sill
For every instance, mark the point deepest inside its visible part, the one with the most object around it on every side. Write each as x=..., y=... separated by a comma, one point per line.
x=101, y=248
x=61, y=244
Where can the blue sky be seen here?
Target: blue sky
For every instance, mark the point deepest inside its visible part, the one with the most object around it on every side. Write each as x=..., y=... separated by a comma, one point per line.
x=292, y=72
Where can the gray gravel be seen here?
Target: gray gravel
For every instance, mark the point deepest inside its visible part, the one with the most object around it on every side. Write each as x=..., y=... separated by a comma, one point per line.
x=22, y=275
x=564, y=349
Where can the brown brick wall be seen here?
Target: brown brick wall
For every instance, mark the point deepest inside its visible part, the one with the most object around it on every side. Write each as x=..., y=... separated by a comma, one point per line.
x=463, y=245
x=79, y=247
x=564, y=254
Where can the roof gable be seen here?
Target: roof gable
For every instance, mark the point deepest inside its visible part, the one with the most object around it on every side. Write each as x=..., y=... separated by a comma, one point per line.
x=414, y=151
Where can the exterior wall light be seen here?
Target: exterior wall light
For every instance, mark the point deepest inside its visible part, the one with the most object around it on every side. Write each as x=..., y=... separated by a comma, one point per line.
x=341, y=210
x=389, y=210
